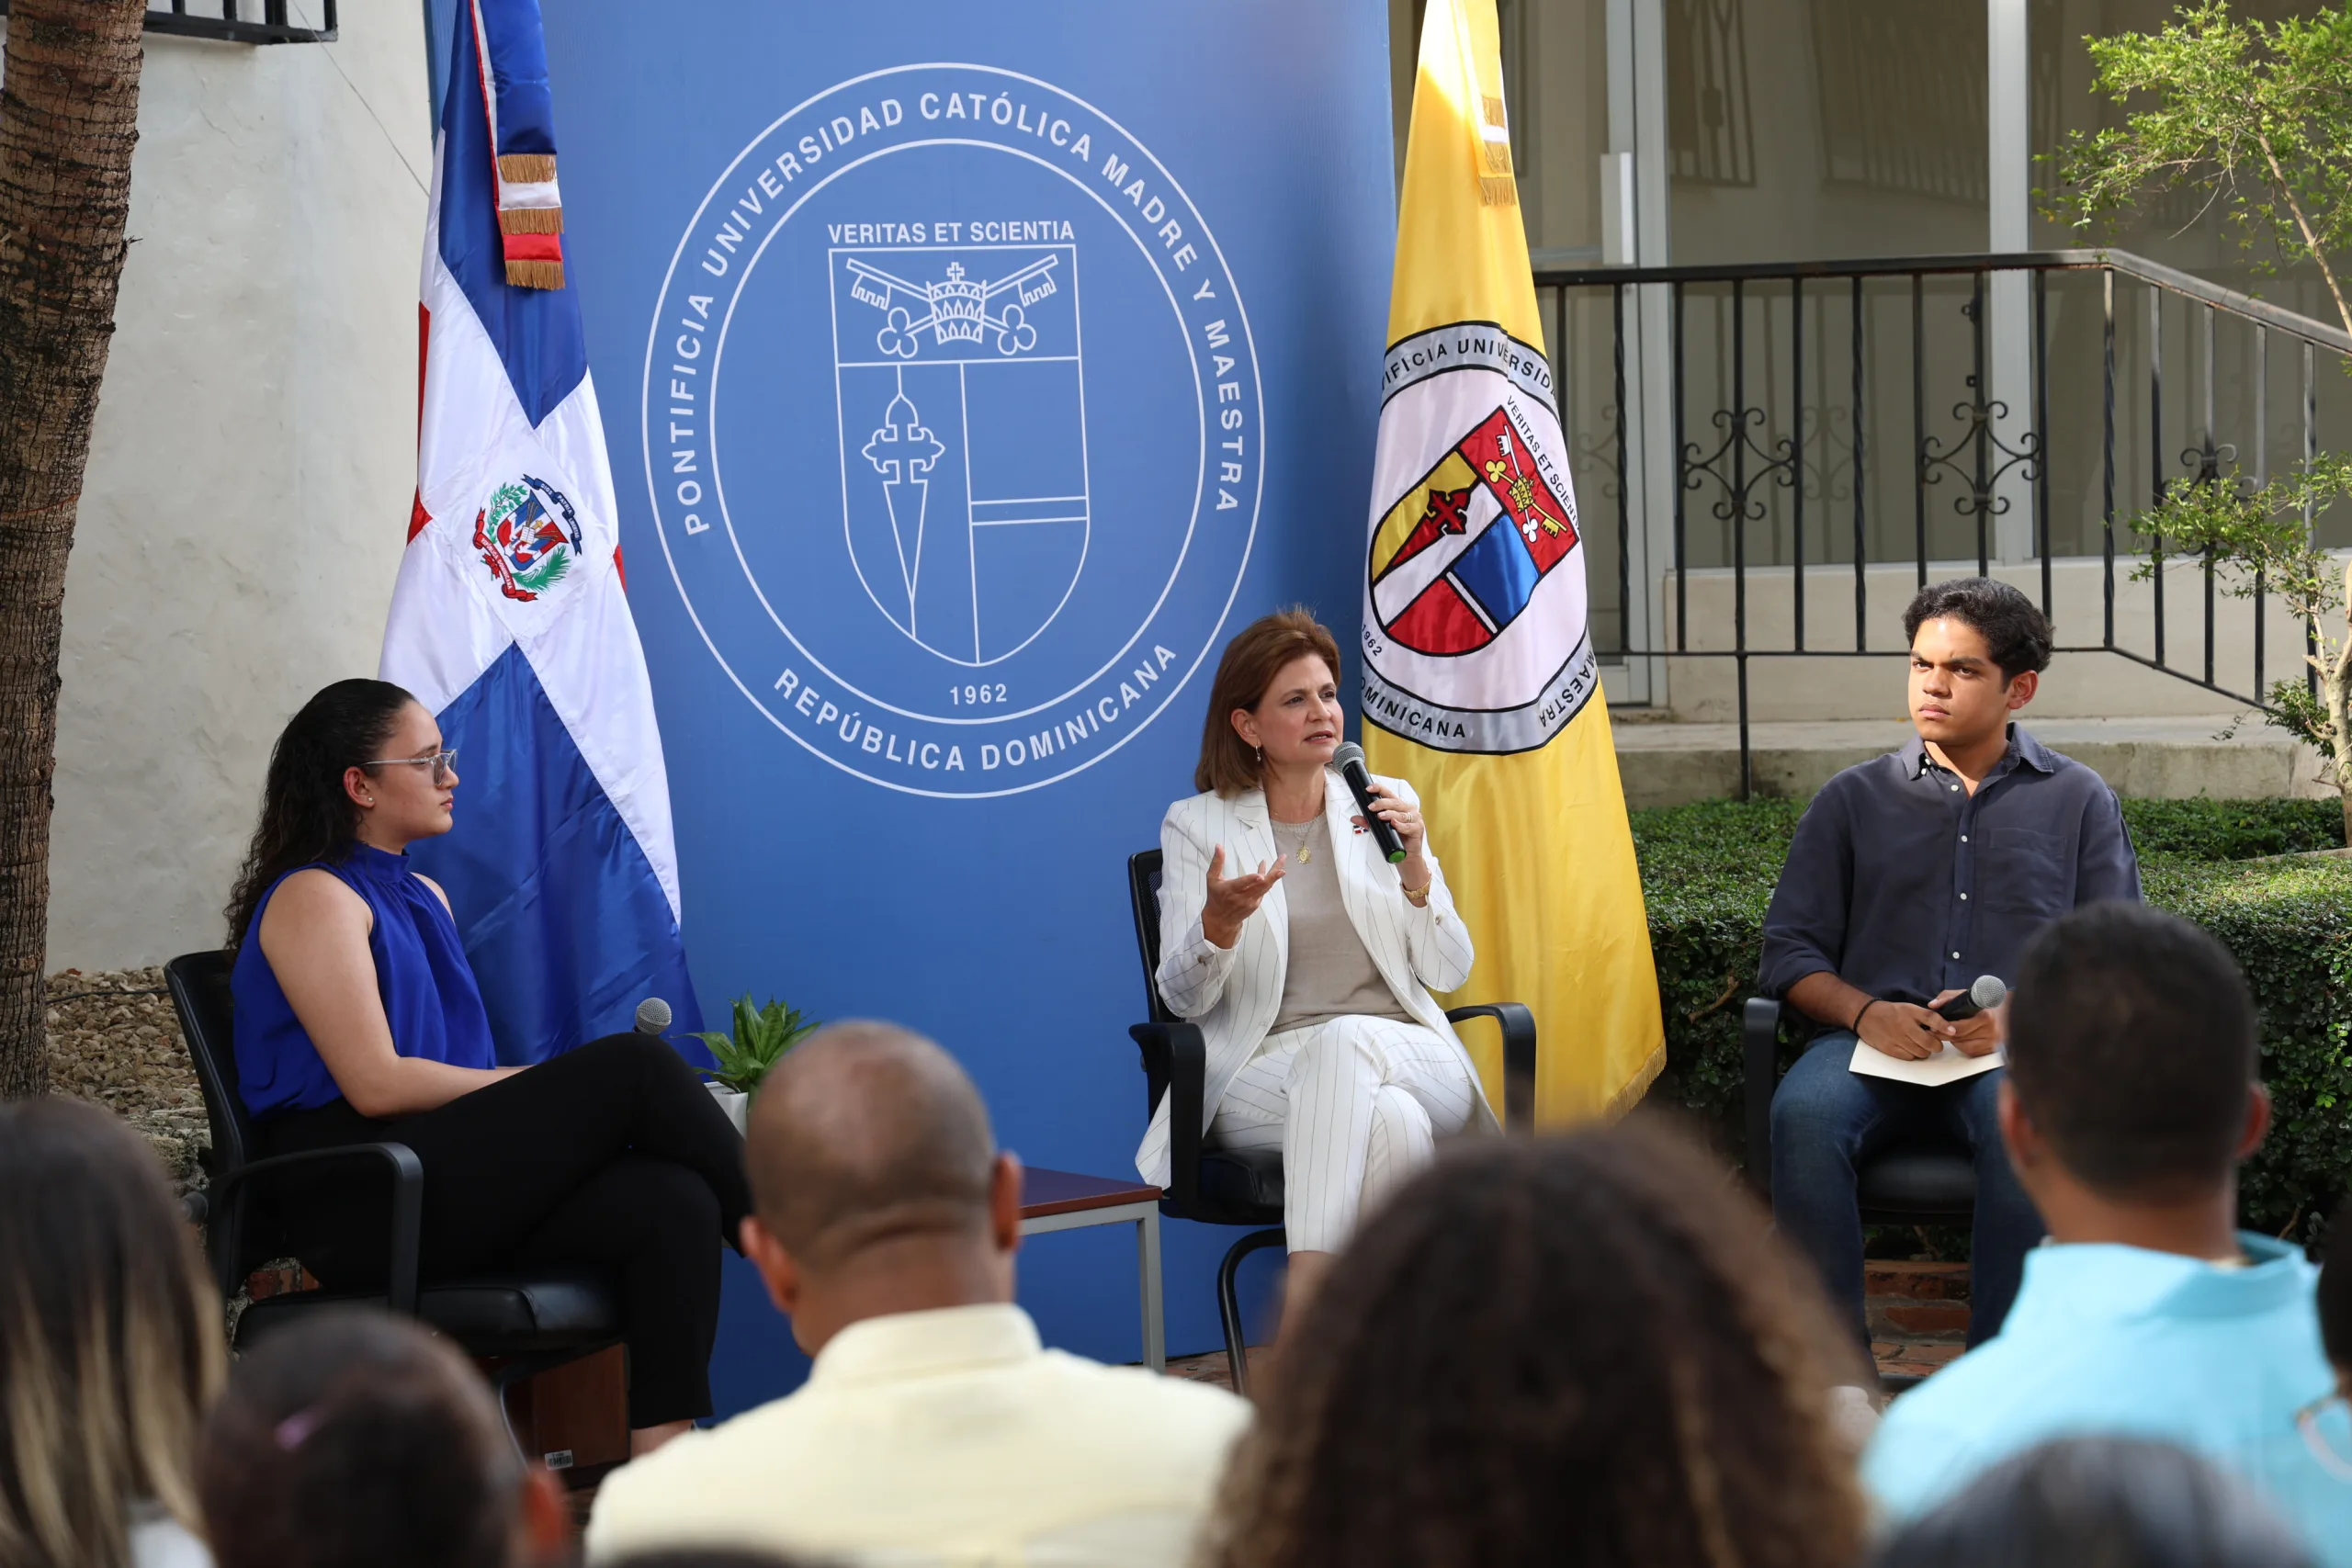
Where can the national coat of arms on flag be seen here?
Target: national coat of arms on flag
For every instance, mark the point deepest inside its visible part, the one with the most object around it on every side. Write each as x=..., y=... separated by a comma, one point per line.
x=509, y=619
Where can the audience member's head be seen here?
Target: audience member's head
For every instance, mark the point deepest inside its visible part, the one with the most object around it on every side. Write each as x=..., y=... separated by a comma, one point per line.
x=2098, y=1503
x=2131, y=1056
x=1579, y=1351
x=2335, y=1297
x=877, y=1186
x=111, y=1341
x=355, y=1439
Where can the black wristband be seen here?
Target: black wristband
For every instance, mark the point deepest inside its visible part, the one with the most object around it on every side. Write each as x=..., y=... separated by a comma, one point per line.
x=1855, y=1028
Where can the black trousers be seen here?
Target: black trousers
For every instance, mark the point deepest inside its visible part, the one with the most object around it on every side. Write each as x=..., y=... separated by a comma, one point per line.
x=613, y=1154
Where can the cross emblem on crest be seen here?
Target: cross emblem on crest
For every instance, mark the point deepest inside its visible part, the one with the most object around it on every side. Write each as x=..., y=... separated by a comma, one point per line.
x=1449, y=508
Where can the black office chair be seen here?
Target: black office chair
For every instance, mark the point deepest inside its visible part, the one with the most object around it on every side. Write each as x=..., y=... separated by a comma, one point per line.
x=1244, y=1186
x=529, y=1320
x=1930, y=1182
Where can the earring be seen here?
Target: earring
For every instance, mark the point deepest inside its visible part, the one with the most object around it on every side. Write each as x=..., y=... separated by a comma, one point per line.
x=1259, y=752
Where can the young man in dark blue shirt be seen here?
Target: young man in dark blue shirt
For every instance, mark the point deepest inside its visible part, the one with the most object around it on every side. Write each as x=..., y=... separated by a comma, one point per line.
x=1910, y=876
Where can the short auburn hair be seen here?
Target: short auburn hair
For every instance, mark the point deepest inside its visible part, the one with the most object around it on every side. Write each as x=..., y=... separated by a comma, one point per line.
x=1252, y=659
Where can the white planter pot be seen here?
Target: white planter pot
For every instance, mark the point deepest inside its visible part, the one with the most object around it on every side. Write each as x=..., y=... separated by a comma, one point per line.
x=737, y=1106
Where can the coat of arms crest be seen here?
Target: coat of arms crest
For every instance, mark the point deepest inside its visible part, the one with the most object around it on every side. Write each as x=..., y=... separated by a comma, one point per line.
x=528, y=536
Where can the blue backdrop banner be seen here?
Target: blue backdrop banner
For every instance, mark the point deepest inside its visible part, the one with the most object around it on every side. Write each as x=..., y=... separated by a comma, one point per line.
x=974, y=372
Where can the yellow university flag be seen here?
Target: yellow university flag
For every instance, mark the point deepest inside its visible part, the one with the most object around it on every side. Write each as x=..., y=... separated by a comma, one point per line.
x=1480, y=685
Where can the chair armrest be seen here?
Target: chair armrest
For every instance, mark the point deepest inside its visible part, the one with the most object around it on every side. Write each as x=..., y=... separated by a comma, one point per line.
x=408, y=1212
x=1519, y=1057
x=1759, y=1046
x=1177, y=1055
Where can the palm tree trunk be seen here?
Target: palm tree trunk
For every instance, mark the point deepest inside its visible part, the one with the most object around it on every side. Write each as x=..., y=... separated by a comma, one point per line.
x=69, y=113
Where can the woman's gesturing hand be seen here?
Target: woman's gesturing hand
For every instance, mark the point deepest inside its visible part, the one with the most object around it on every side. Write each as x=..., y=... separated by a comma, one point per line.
x=1233, y=899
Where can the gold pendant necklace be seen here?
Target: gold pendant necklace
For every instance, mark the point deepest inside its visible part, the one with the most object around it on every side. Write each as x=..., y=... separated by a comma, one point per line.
x=1305, y=852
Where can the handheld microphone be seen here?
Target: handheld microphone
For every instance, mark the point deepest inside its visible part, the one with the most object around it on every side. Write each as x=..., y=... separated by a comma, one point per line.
x=1988, y=992
x=653, y=1016
x=1349, y=759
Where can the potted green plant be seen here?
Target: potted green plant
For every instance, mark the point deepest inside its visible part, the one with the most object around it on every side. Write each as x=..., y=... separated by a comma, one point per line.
x=757, y=1042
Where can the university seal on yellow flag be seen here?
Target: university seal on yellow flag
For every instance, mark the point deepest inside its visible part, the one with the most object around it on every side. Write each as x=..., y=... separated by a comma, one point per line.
x=1479, y=673
x=1474, y=636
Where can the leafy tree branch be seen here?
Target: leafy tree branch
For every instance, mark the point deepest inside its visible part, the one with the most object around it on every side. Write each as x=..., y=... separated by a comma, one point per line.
x=2260, y=542
x=2258, y=116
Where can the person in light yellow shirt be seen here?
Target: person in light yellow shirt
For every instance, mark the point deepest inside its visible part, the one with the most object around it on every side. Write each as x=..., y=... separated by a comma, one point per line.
x=934, y=1428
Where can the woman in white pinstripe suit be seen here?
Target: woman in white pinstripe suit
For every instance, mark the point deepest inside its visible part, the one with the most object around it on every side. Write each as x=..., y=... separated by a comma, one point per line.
x=1309, y=977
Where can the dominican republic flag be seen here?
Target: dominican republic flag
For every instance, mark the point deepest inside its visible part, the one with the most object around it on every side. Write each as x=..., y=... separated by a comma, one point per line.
x=509, y=619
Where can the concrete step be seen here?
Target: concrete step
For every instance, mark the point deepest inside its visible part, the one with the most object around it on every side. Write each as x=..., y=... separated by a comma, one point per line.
x=2173, y=758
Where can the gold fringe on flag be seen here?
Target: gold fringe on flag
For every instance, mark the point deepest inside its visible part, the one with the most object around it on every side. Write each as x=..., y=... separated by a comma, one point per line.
x=530, y=220
x=535, y=273
x=527, y=168
x=1498, y=191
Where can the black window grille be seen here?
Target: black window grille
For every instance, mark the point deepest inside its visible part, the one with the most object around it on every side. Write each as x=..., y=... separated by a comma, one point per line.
x=1901, y=86
x=1709, y=131
x=241, y=21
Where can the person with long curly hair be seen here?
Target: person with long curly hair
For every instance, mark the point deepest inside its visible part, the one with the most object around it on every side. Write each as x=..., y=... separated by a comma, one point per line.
x=1584, y=1353
x=359, y=1020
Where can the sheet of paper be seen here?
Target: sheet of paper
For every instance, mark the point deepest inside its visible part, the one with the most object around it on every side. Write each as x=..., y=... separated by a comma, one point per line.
x=1947, y=1065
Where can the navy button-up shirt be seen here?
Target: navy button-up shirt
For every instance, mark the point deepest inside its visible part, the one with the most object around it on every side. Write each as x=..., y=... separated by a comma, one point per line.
x=1903, y=883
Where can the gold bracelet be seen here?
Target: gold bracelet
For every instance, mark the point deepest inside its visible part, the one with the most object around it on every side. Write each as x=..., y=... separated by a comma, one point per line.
x=1418, y=898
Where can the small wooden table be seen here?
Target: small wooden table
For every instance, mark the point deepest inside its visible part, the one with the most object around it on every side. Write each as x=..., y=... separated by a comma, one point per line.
x=1065, y=1201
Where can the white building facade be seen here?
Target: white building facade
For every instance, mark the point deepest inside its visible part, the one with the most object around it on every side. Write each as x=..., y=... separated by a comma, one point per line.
x=250, y=473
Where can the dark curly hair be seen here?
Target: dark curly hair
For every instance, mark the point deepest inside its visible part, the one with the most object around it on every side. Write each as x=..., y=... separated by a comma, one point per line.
x=305, y=815
x=2014, y=628
x=1575, y=1351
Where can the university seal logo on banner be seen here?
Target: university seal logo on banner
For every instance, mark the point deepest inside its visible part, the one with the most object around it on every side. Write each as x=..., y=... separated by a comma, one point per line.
x=952, y=430
x=1474, y=636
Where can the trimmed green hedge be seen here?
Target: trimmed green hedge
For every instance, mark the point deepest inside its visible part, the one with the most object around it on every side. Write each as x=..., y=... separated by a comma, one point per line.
x=1708, y=871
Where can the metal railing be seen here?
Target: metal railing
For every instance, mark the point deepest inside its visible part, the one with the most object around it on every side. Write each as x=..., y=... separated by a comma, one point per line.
x=238, y=21
x=1807, y=408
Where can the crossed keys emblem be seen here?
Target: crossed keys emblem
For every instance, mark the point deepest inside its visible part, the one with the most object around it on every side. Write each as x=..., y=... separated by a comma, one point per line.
x=1520, y=488
x=957, y=310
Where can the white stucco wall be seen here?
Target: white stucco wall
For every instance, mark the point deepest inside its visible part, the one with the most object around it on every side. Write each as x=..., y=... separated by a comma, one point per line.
x=249, y=479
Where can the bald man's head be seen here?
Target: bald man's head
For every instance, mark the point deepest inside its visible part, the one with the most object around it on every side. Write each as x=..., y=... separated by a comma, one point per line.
x=868, y=1131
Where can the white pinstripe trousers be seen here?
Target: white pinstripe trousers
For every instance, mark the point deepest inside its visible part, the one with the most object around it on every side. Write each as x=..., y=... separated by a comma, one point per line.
x=1356, y=1105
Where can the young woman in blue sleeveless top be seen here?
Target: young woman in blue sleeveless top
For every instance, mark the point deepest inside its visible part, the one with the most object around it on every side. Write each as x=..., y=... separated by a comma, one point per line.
x=358, y=1019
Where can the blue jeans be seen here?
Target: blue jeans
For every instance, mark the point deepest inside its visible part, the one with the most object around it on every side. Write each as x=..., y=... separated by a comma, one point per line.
x=1828, y=1119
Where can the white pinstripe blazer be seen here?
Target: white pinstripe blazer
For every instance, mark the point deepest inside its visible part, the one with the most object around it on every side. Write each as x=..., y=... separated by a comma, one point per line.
x=1234, y=993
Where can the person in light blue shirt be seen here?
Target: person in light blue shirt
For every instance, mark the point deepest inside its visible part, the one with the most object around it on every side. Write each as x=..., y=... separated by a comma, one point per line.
x=2130, y=1102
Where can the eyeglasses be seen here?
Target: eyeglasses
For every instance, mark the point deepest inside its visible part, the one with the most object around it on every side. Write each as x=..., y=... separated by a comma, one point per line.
x=2334, y=1459
x=441, y=763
